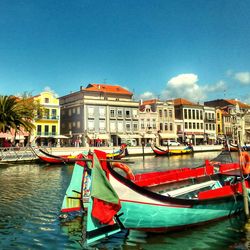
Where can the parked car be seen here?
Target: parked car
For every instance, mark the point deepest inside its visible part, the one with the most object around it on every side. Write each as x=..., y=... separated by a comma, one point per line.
x=170, y=143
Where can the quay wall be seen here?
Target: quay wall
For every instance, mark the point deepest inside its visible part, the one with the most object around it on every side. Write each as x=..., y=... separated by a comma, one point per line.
x=27, y=154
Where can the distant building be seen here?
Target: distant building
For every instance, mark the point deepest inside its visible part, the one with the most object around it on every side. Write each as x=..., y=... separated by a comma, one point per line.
x=47, y=120
x=100, y=114
x=236, y=117
x=191, y=115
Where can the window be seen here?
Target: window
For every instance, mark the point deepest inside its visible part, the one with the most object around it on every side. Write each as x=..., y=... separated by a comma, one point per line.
x=102, y=125
x=69, y=112
x=198, y=125
x=91, y=111
x=127, y=112
x=201, y=115
x=165, y=113
x=112, y=126
x=53, y=130
x=46, y=100
x=78, y=110
x=53, y=114
x=46, y=129
x=171, y=126
x=166, y=126
x=154, y=124
x=102, y=111
x=160, y=113
x=120, y=127
x=201, y=125
x=119, y=113
x=78, y=124
x=189, y=114
x=197, y=115
x=112, y=113
x=46, y=113
x=39, y=129
x=135, y=126
x=91, y=125
x=170, y=113
x=186, y=125
x=190, y=125
x=194, y=125
x=161, y=126
x=185, y=113
x=193, y=111
x=142, y=124
x=128, y=127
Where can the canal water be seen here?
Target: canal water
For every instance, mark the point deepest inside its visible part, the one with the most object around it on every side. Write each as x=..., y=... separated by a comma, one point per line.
x=31, y=197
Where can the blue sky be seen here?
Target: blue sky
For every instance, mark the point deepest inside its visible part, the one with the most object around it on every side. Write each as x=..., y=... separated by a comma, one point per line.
x=199, y=49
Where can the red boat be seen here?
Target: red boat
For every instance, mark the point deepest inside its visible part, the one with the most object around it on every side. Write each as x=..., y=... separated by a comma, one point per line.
x=167, y=152
x=58, y=159
x=55, y=159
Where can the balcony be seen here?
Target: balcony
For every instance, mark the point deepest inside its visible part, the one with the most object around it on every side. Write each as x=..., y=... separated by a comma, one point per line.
x=47, y=117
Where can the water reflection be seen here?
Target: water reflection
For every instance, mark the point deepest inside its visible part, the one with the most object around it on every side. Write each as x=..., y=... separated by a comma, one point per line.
x=227, y=234
x=31, y=196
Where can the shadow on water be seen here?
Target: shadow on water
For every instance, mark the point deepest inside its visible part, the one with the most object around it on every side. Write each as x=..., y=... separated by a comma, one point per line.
x=226, y=234
x=31, y=196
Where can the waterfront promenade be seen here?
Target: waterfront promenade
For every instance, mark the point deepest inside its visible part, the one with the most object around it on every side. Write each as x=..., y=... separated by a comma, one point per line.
x=25, y=154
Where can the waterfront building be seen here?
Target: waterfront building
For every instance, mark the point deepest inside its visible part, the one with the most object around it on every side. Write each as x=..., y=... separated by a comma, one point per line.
x=148, y=120
x=47, y=120
x=100, y=114
x=191, y=115
x=157, y=121
x=237, y=119
x=210, y=136
x=166, y=122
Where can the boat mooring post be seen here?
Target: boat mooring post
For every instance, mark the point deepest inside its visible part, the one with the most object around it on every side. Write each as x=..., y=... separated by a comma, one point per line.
x=143, y=145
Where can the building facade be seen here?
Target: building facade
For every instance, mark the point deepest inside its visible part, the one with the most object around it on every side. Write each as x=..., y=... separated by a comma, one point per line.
x=100, y=114
x=47, y=120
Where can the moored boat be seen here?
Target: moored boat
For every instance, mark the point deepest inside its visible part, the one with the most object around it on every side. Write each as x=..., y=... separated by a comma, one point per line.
x=116, y=200
x=44, y=156
x=170, y=151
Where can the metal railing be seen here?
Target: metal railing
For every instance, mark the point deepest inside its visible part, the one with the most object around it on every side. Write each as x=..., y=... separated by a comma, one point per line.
x=13, y=154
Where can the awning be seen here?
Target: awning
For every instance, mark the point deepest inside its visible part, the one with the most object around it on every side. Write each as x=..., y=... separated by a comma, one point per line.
x=129, y=136
x=96, y=136
x=167, y=135
x=5, y=135
x=60, y=137
x=199, y=136
x=151, y=136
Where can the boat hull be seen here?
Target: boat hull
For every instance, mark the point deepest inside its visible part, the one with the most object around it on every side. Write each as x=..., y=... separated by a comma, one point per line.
x=160, y=218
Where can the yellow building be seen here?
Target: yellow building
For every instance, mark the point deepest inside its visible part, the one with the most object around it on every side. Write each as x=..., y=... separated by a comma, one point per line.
x=47, y=120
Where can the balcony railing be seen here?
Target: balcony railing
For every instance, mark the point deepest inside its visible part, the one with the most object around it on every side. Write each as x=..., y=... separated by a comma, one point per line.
x=47, y=117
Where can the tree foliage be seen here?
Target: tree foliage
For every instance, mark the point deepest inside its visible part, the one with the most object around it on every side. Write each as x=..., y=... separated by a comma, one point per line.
x=17, y=112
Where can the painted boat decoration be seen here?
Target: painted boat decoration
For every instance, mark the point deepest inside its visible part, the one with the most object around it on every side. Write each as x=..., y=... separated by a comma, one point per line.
x=120, y=153
x=55, y=159
x=78, y=191
x=117, y=201
x=58, y=159
x=167, y=152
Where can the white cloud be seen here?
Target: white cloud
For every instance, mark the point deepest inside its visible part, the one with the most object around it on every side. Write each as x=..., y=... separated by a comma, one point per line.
x=217, y=87
x=147, y=95
x=184, y=86
x=242, y=77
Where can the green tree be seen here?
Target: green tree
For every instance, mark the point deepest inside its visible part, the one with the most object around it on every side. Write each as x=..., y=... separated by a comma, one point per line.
x=17, y=112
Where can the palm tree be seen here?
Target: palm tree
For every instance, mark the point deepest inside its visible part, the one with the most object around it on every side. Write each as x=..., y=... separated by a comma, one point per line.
x=15, y=113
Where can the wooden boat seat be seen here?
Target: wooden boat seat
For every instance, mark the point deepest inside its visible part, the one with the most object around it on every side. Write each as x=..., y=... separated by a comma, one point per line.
x=191, y=188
